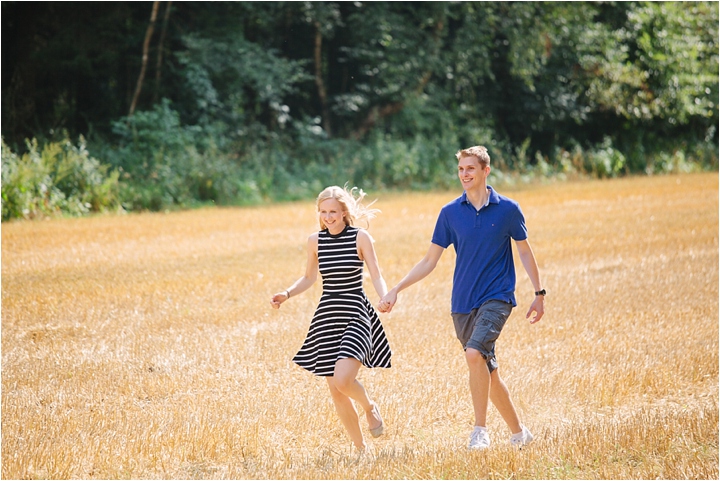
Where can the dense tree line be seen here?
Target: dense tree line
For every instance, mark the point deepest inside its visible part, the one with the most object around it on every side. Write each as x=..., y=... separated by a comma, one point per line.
x=241, y=101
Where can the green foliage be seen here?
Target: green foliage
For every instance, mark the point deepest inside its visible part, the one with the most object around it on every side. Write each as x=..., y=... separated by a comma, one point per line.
x=606, y=161
x=60, y=178
x=164, y=163
x=231, y=78
x=663, y=66
x=254, y=101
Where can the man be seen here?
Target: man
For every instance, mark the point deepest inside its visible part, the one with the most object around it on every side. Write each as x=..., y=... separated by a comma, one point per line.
x=480, y=224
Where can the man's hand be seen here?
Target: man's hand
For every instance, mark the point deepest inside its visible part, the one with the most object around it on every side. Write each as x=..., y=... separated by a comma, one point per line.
x=538, y=307
x=388, y=301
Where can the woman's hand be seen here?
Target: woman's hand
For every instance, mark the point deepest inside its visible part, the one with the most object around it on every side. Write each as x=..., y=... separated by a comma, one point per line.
x=388, y=301
x=278, y=299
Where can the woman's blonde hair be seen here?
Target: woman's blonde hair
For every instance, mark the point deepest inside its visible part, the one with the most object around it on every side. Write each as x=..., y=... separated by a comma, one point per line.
x=351, y=204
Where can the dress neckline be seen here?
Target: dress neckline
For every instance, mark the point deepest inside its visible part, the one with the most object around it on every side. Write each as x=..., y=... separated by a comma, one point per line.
x=339, y=233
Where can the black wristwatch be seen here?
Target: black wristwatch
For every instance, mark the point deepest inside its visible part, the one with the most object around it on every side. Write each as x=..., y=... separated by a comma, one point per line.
x=540, y=293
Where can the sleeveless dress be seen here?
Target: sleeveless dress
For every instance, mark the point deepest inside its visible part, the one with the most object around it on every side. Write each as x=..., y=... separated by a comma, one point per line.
x=345, y=324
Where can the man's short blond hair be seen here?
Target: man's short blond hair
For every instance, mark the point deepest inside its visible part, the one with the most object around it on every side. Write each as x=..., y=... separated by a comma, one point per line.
x=477, y=151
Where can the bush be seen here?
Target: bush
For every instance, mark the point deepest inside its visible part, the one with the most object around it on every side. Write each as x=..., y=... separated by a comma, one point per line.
x=605, y=161
x=59, y=179
x=165, y=163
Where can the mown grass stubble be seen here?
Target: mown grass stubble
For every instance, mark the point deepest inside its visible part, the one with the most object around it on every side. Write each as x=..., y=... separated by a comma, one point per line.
x=144, y=346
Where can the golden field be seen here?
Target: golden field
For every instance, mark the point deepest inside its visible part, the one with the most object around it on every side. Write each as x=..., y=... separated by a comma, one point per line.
x=144, y=345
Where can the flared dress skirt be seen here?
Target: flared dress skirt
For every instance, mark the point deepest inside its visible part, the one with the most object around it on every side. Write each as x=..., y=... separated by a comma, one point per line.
x=345, y=323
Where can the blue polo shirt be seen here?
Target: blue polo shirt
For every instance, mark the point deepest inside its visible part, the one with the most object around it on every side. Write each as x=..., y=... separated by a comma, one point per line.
x=484, y=268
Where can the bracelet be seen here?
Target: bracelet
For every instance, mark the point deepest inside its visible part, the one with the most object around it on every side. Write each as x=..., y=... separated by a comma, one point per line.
x=287, y=293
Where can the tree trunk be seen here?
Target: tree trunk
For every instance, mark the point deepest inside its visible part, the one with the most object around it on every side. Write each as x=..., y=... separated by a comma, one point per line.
x=319, y=80
x=375, y=114
x=158, y=65
x=146, y=47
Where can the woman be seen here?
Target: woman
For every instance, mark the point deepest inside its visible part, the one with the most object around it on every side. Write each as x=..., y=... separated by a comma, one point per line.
x=345, y=331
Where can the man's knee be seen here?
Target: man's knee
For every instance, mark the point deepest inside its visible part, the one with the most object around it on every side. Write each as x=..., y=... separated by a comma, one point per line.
x=474, y=357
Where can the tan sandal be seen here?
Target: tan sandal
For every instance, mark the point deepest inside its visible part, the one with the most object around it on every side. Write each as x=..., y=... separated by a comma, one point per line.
x=376, y=432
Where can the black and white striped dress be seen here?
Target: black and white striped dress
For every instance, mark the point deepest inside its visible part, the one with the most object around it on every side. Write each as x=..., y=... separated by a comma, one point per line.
x=345, y=324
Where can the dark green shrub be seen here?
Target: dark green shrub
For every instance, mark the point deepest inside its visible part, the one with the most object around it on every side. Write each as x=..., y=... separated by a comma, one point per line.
x=165, y=163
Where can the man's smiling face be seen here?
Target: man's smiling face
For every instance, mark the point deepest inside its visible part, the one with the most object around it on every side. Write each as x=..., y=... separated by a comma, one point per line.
x=471, y=174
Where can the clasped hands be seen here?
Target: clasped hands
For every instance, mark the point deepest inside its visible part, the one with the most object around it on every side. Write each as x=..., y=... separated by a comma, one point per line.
x=387, y=302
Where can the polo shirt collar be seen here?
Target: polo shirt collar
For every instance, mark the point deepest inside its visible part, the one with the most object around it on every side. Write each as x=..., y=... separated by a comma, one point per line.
x=493, y=198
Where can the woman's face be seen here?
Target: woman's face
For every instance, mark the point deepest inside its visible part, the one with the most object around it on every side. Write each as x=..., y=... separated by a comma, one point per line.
x=331, y=214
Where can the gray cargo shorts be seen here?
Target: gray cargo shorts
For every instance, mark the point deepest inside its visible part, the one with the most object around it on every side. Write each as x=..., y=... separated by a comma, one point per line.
x=481, y=327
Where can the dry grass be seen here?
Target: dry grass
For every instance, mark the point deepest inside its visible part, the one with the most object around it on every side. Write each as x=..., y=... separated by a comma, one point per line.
x=144, y=346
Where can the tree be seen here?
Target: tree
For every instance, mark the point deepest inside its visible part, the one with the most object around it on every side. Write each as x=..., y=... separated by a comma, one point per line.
x=161, y=46
x=530, y=77
x=146, y=48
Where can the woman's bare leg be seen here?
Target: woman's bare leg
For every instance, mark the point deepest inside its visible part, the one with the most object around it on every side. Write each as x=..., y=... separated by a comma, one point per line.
x=343, y=387
x=347, y=414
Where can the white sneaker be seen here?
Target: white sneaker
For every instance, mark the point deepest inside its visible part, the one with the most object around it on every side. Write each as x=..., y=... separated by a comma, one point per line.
x=479, y=438
x=523, y=438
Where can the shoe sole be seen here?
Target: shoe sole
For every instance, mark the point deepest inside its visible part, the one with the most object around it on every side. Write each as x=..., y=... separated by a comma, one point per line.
x=478, y=448
x=520, y=446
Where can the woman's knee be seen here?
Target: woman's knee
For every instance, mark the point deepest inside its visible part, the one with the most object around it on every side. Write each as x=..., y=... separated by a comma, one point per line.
x=343, y=383
x=345, y=373
x=334, y=391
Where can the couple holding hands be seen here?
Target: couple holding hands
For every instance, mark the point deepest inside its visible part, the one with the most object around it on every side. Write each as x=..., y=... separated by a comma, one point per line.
x=346, y=333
